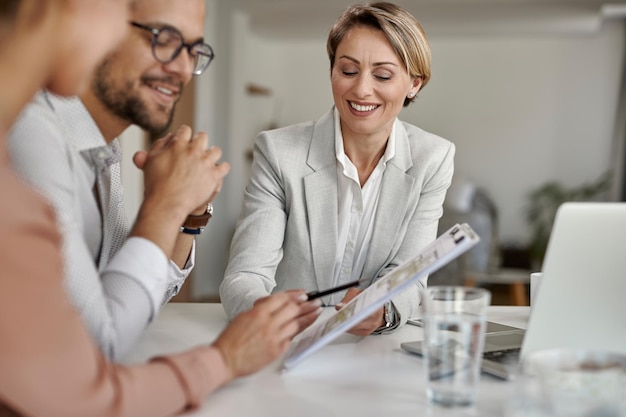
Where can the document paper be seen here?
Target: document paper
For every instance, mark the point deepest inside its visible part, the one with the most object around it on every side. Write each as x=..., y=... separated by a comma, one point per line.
x=448, y=246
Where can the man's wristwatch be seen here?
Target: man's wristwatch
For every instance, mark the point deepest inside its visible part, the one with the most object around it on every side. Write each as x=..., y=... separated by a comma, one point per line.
x=195, y=224
x=389, y=316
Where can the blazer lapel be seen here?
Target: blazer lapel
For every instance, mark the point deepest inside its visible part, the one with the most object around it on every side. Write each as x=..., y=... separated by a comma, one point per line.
x=392, y=204
x=320, y=190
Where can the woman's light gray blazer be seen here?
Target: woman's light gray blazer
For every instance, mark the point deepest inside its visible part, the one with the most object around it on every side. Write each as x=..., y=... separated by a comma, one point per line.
x=286, y=235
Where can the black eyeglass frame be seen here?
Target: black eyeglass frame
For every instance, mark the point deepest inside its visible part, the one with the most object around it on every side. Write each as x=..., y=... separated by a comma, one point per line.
x=189, y=46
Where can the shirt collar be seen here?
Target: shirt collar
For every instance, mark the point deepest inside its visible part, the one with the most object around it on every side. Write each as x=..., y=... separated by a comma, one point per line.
x=390, y=150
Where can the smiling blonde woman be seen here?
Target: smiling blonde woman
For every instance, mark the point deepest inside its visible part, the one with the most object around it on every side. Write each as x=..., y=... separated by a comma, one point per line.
x=351, y=195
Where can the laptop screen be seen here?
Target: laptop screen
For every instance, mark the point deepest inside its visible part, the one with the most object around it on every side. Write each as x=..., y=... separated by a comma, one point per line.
x=581, y=303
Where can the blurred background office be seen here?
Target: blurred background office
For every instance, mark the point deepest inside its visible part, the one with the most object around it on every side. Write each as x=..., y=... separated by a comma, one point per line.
x=531, y=92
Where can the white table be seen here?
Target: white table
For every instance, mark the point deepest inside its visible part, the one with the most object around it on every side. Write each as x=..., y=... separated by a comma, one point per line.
x=352, y=376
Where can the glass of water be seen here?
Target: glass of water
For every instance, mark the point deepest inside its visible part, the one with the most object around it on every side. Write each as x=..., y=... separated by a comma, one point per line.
x=454, y=333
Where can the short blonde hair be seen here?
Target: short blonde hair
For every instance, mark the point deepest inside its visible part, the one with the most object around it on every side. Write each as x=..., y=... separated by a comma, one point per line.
x=402, y=30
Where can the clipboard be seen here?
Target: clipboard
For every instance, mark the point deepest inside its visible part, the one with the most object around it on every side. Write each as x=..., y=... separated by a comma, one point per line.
x=449, y=245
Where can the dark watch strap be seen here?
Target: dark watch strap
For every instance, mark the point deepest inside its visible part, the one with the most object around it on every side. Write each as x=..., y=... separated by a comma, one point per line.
x=200, y=220
x=196, y=231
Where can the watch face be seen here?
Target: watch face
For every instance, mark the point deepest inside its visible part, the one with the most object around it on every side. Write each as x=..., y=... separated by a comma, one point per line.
x=388, y=315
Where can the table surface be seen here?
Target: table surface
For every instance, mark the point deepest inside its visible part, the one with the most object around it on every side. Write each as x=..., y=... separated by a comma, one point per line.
x=352, y=376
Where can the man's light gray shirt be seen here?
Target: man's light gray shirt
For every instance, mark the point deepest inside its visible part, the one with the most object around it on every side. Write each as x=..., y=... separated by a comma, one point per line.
x=57, y=147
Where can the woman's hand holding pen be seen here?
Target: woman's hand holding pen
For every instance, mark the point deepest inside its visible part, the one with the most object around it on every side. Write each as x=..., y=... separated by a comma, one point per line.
x=371, y=323
x=310, y=303
x=260, y=335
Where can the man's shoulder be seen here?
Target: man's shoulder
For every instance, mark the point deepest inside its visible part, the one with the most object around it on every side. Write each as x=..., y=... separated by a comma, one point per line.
x=62, y=120
x=37, y=125
x=38, y=144
x=38, y=112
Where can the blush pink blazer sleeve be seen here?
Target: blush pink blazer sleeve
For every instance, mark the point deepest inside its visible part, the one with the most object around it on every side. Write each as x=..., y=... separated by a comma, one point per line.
x=48, y=364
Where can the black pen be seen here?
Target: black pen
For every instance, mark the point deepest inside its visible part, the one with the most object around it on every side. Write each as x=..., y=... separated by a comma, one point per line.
x=317, y=294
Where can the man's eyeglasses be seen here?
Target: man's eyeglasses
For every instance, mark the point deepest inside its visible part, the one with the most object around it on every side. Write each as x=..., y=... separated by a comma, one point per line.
x=167, y=43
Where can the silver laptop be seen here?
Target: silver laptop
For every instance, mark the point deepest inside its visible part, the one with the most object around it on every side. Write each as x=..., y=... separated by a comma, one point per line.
x=501, y=352
x=582, y=299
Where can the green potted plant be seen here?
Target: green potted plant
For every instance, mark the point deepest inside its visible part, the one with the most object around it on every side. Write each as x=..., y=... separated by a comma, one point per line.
x=544, y=202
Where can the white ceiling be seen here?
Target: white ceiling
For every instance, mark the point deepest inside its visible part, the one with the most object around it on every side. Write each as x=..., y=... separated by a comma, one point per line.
x=313, y=18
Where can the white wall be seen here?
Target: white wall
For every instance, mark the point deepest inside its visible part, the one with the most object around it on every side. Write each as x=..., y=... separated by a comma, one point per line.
x=212, y=109
x=522, y=109
x=525, y=110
